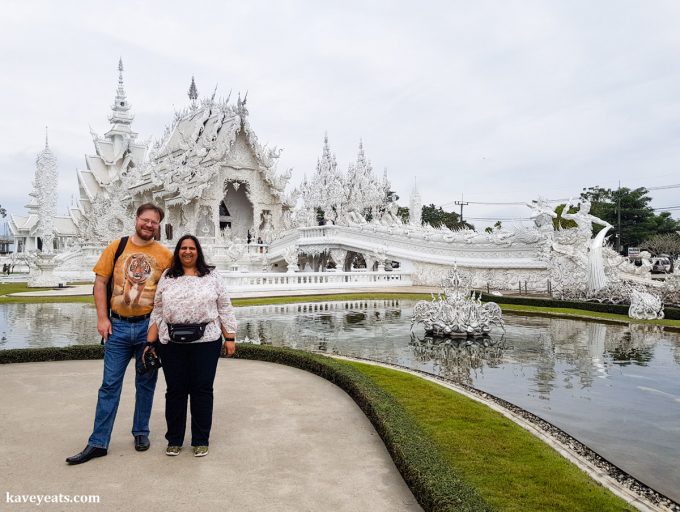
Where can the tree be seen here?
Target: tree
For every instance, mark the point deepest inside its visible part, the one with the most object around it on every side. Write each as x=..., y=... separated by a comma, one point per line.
x=561, y=223
x=3, y=212
x=403, y=214
x=667, y=243
x=639, y=222
x=496, y=227
x=435, y=216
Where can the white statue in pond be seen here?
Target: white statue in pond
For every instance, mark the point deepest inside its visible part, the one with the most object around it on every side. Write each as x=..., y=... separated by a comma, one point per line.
x=596, y=278
x=645, y=306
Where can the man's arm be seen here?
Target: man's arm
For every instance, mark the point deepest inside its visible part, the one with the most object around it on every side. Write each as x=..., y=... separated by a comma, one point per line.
x=100, y=302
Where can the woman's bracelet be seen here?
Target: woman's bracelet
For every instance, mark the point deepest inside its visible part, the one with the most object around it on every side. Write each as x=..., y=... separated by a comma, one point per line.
x=150, y=343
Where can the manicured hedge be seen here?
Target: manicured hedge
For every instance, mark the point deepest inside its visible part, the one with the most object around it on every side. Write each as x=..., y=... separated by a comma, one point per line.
x=36, y=355
x=619, y=309
x=436, y=486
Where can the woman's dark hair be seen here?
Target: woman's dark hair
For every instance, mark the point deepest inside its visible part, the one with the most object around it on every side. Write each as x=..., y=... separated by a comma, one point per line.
x=176, y=269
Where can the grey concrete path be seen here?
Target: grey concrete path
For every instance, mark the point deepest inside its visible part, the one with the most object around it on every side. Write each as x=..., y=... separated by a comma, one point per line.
x=283, y=440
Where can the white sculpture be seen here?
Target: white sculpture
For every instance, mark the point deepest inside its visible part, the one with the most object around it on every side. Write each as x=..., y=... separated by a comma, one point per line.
x=291, y=258
x=542, y=214
x=645, y=306
x=458, y=313
x=596, y=278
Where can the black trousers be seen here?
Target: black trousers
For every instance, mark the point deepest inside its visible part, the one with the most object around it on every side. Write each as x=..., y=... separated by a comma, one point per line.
x=189, y=370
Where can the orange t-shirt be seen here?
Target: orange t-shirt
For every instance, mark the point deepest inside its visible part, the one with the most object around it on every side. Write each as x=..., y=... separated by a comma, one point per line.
x=135, y=277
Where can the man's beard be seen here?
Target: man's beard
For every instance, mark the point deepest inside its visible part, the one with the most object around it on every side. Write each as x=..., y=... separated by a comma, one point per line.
x=144, y=235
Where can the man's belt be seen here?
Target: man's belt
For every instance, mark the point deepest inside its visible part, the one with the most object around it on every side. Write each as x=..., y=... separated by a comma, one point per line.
x=130, y=319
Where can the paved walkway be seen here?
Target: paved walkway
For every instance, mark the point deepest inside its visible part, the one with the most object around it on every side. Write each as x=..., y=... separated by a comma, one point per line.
x=283, y=440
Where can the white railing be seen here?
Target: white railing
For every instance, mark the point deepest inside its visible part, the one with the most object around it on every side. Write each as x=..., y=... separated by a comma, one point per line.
x=269, y=281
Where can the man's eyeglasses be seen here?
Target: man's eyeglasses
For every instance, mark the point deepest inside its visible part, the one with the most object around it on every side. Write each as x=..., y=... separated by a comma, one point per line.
x=149, y=222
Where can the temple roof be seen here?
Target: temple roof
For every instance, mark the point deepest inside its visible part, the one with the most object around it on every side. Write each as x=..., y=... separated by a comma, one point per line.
x=201, y=139
x=20, y=225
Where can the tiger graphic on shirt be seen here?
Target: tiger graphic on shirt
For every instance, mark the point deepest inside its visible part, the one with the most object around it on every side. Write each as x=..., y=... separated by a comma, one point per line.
x=136, y=272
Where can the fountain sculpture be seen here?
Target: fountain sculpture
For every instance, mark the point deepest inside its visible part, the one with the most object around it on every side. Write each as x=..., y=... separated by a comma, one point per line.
x=458, y=313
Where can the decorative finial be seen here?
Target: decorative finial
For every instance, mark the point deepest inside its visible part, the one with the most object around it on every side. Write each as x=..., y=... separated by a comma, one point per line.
x=193, y=92
x=47, y=144
x=120, y=64
x=212, y=98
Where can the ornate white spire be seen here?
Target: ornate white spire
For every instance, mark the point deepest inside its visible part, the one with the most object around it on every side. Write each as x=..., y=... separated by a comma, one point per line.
x=45, y=193
x=193, y=92
x=326, y=186
x=121, y=117
x=415, y=215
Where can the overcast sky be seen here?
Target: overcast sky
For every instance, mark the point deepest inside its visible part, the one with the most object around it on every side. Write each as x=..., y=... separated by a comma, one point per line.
x=500, y=101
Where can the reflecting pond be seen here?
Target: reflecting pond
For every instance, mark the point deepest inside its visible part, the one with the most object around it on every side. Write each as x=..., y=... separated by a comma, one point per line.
x=615, y=388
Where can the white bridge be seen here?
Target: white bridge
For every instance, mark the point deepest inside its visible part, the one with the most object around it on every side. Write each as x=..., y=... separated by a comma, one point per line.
x=410, y=246
x=275, y=281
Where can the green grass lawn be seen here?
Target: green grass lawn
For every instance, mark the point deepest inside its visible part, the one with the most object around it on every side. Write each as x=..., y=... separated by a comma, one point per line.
x=583, y=314
x=509, y=467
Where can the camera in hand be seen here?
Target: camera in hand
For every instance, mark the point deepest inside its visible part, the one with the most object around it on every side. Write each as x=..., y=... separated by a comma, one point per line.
x=150, y=362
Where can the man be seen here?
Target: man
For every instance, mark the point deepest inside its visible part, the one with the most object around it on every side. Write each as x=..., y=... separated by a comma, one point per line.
x=133, y=285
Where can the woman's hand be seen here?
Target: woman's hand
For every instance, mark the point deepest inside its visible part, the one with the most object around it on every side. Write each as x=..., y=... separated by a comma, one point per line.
x=229, y=348
x=150, y=347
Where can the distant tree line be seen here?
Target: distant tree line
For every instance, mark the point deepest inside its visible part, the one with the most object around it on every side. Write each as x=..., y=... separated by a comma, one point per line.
x=436, y=216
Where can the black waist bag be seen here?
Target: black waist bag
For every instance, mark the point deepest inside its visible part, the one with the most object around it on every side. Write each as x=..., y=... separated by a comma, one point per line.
x=186, y=333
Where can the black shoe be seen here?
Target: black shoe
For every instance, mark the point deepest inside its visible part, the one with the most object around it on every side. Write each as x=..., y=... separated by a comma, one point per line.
x=90, y=452
x=142, y=443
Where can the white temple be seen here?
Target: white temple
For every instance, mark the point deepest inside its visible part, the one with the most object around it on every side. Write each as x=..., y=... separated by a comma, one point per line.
x=214, y=179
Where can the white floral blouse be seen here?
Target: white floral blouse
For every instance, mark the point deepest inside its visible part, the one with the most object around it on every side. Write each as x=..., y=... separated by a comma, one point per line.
x=193, y=300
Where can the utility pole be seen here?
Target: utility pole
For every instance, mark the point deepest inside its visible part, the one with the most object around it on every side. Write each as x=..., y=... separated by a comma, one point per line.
x=618, y=212
x=461, y=203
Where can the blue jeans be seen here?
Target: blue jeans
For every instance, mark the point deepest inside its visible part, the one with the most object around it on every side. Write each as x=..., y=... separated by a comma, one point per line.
x=126, y=342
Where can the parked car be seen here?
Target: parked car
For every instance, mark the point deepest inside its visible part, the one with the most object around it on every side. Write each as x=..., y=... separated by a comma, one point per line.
x=661, y=265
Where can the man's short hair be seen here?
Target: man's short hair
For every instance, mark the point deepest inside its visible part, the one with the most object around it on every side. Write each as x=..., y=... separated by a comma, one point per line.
x=151, y=206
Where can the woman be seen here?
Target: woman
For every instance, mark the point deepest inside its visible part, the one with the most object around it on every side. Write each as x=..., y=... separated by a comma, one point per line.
x=189, y=293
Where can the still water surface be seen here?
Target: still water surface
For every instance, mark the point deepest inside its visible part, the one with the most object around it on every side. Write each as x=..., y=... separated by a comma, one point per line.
x=614, y=388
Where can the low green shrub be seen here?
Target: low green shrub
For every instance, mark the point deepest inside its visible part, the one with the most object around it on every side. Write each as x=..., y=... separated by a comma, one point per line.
x=36, y=355
x=619, y=309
